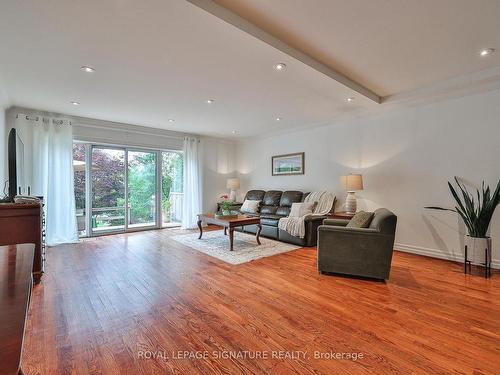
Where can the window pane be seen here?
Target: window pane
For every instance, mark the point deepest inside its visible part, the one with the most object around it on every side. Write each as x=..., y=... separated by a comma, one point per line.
x=108, y=189
x=172, y=189
x=142, y=188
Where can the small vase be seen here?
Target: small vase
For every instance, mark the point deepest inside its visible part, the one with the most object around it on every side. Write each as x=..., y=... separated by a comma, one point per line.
x=478, y=249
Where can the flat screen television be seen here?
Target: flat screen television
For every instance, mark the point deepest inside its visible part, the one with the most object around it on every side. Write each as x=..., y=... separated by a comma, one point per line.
x=16, y=164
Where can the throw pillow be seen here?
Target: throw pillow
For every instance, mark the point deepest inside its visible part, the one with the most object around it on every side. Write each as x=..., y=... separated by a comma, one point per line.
x=301, y=209
x=361, y=219
x=250, y=207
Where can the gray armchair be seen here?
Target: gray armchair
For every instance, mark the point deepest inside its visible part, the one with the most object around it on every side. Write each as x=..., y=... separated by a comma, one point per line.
x=365, y=252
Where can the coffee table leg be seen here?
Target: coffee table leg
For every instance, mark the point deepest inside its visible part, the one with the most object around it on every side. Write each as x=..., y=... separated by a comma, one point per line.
x=201, y=230
x=225, y=231
x=231, y=237
x=259, y=228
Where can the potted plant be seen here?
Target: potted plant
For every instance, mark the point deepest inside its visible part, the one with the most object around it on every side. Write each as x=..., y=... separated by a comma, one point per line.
x=225, y=207
x=476, y=215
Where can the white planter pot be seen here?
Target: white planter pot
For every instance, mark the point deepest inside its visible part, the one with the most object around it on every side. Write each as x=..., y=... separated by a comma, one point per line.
x=476, y=247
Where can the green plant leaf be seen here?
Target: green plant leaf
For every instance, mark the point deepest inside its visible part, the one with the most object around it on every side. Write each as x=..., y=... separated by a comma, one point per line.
x=476, y=215
x=455, y=195
x=439, y=208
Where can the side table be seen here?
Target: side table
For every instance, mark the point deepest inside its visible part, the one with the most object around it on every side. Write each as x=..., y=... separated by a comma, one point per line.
x=341, y=215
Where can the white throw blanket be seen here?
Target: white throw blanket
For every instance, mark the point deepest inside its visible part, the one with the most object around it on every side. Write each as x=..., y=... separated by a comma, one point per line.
x=296, y=225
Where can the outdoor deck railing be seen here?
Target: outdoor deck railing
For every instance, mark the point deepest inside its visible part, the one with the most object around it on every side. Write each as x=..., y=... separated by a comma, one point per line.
x=175, y=200
x=176, y=206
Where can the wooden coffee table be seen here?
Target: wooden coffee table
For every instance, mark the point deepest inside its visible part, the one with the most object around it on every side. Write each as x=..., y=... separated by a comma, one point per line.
x=230, y=222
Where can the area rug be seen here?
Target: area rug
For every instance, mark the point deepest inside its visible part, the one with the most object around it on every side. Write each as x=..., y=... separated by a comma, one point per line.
x=246, y=249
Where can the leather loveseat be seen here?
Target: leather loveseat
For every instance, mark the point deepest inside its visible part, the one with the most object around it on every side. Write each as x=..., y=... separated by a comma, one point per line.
x=276, y=204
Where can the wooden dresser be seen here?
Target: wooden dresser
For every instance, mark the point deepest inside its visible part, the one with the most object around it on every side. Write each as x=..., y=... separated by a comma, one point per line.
x=16, y=280
x=23, y=223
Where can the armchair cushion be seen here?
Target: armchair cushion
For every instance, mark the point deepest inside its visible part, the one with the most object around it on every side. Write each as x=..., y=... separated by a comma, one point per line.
x=361, y=219
x=336, y=222
x=348, y=230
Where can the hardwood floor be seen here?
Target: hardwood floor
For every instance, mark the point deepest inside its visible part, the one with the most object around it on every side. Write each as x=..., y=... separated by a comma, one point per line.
x=108, y=303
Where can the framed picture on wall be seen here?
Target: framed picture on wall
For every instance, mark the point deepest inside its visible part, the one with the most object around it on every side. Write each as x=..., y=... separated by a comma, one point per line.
x=288, y=164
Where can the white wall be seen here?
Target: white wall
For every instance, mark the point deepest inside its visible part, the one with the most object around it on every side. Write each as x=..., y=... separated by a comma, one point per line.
x=406, y=157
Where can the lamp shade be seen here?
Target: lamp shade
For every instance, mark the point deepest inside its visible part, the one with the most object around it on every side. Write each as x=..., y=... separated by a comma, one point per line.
x=233, y=183
x=352, y=182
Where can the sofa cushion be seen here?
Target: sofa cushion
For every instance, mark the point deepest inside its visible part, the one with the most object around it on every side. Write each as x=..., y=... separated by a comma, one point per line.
x=269, y=221
x=362, y=219
x=268, y=210
x=283, y=211
x=272, y=198
x=270, y=216
x=250, y=206
x=289, y=197
x=255, y=195
x=301, y=209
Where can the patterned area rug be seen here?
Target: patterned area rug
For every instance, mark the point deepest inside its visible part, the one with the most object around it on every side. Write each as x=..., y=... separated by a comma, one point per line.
x=246, y=249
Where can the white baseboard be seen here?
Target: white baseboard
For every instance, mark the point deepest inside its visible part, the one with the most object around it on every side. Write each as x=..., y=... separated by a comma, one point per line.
x=434, y=253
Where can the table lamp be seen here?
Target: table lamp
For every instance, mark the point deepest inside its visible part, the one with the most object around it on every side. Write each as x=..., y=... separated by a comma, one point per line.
x=352, y=182
x=233, y=184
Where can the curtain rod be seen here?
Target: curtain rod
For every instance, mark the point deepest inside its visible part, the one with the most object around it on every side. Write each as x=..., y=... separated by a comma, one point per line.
x=37, y=118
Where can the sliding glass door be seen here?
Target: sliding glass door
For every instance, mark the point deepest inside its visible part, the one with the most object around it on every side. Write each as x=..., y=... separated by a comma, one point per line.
x=142, y=170
x=171, y=188
x=119, y=189
x=108, y=190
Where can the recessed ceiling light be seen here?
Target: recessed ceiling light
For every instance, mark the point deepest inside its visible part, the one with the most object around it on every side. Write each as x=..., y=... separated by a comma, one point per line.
x=350, y=100
x=234, y=132
x=171, y=120
x=278, y=118
x=487, y=51
x=210, y=101
x=280, y=67
x=87, y=69
x=75, y=103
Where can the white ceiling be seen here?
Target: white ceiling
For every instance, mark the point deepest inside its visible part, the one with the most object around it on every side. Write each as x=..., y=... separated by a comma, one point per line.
x=388, y=46
x=159, y=59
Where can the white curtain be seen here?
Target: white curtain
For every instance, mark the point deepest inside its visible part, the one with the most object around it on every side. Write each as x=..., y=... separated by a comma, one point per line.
x=53, y=178
x=191, y=205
